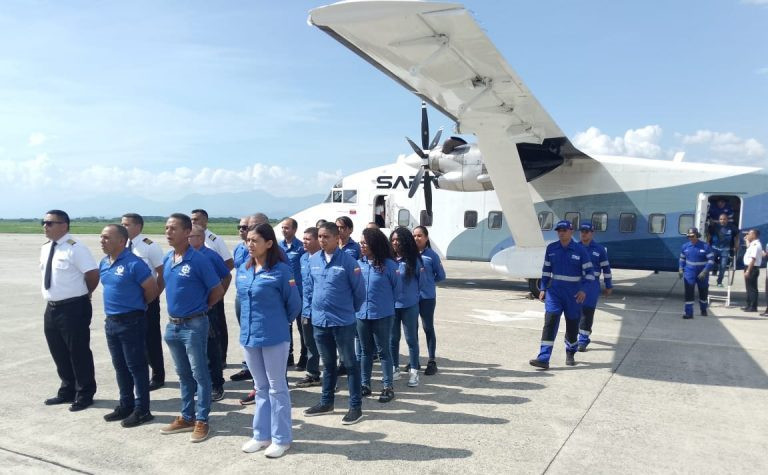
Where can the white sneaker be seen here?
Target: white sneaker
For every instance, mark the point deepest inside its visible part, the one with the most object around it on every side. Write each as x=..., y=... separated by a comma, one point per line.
x=413, y=381
x=276, y=450
x=254, y=445
x=396, y=373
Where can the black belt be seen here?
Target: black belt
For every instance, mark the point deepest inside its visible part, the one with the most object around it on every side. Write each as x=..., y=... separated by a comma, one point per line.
x=134, y=314
x=179, y=321
x=66, y=301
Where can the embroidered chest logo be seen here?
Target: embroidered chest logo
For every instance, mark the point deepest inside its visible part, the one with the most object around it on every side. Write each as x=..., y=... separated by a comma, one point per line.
x=575, y=257
x=119, y=271
x=184, y=272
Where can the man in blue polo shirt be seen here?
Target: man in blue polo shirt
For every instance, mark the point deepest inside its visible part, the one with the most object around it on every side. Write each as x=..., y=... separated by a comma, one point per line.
x=128, y=286
x=191, y=288
x=294, y=249
x=334, y=291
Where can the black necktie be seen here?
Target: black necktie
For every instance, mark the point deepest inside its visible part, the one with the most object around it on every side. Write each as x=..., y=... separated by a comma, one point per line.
x=130, y=245
x=47, y=280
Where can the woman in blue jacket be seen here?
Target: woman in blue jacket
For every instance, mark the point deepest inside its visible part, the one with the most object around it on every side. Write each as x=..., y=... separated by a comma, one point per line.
x=269, y=301
x=407, y=302
x=381, y=276
x=433, y=273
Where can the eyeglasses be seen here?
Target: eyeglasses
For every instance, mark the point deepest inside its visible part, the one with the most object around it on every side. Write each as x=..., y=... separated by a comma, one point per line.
x=50, y=223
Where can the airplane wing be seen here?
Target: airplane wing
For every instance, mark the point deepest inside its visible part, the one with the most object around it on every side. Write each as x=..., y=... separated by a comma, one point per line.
x=438, y=52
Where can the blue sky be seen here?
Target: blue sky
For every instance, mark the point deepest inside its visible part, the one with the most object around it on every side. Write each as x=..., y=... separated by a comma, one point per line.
x=163, y=99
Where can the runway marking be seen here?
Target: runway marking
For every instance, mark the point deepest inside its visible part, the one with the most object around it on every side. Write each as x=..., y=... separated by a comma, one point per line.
x=621, y=306
x=497, y=316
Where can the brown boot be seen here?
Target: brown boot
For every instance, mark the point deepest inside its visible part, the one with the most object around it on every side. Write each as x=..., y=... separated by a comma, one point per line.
x=178, y=425
x=200, y=433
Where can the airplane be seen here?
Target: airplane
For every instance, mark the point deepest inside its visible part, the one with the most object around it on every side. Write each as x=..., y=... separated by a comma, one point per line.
x=497, y=200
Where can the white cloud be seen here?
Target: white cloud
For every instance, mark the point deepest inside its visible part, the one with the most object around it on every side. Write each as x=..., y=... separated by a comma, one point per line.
x=37, y=138
x=727, y=144
x=642, y=142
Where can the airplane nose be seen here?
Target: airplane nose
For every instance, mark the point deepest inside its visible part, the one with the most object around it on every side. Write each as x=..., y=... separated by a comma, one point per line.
x=412, y=160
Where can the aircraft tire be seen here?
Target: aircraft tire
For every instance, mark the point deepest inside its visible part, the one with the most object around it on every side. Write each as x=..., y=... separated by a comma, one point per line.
x=533, y=286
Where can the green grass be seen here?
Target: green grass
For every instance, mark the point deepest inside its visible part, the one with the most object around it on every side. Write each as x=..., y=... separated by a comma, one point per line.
x=221, y=226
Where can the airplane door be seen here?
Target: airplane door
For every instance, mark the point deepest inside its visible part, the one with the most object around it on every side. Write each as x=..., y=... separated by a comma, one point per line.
x=700, y=220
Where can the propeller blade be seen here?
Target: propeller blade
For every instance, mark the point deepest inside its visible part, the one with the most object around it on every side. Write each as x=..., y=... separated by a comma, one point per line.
x=424, y=126
x=416, y=148
x=436, y=139
x=415, y=183
x=428, y=193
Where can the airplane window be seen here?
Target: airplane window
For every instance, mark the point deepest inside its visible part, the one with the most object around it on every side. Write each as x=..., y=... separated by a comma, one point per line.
x=328, y=198
x=350, y=196
x=545, y=220
x=425, y=219
x=683, y=223
x=403, y=217
x=470, y=219
x=657, y=223
x=600, y=221
x=574, y=218
x=627, y=222
x=336, y=196
x=494, y=220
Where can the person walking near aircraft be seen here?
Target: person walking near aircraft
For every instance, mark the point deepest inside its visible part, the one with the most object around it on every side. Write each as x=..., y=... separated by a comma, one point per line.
x=334, y=290
x=239, y=256
x=753, y=258
x=725, y=243
x=566, y=272
x=215, y=363
x=696, y=261
x=152, y=255
x=294, y=249
x=270, y=301
x=191, y=288
x=599, y=258
x=346, y=243
x=312, y=378
x=412, y=276
x=433, y=273
x=128, y=287
x=381, y=275
x=69, y=276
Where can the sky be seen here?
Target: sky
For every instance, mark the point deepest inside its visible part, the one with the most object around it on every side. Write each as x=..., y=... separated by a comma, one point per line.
x=164, y=99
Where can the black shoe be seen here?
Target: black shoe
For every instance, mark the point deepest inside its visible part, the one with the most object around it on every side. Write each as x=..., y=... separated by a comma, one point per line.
x=387, y=394
x=80, y=405
x=365, y=391
x=308, y=381
x=156, y=384
x=704, y=313
x=137, y=418
x=539, y=364
x=582, y=348
x=249, y=399
x=58, y=400
x=569, y=360
x=241, y=375
x=353, y=416
x=118, y=414
x=687, y=317
x=318, y=410
x=217, y=394
x=431, y=368
x=341, y=370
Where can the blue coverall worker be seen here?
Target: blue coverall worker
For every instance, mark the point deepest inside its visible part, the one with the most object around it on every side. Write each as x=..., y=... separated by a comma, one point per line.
x=696, y=260
x=599, y=258
x=724, y=241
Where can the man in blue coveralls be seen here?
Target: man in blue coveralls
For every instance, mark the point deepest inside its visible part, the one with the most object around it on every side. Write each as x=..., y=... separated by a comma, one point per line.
x=334, y=291
x=128, y=287
x=696, y=260
x=599, y=258
x=564, y=277
x=294, y=249
x=725, y=243
x=191, y=288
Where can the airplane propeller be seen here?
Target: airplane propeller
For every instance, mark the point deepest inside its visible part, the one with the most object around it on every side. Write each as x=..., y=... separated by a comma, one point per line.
x=423, y=152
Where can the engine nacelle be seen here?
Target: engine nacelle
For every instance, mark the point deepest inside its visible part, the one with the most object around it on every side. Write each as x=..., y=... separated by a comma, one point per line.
x=460, y=170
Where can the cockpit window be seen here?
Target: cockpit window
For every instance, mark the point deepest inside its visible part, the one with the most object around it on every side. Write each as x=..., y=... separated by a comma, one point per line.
x=336, y=196
x=328, y=198
x=350, y=196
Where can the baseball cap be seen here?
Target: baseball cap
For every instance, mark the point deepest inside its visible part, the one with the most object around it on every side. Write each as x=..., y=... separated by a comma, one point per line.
x=563, y=224
x=586, y=227
x=693, y=232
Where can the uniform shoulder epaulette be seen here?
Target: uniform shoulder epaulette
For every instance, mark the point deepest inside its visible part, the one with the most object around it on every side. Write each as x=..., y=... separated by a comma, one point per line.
x=147, y=241
x=71, y=242
x=212, y=237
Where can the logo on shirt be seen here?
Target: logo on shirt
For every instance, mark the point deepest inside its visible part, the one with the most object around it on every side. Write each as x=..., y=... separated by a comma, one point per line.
x=119, y=270
x=594, y=253
x=575, y=257
x=184, y=272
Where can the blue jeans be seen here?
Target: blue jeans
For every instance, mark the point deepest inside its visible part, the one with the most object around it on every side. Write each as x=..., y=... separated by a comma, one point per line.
x=409, y=317
x=272, y=416
x=328, y=340
x=188, y=343
x=724, y=255
x=427, y=312
x=126, y=337
x=375, y=334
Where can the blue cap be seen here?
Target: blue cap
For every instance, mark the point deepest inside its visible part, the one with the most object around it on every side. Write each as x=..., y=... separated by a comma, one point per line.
x=563, y=224
x=586, y=227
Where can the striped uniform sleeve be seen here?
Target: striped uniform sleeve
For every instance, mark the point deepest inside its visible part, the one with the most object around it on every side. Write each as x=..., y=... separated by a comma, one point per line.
x=546, y=271
x=587, y=270
x=710, y=259
x=681, y=265
x=606, y=268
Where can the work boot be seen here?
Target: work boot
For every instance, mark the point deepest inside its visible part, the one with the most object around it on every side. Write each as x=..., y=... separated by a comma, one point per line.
x=539, y=364
x=569, y=360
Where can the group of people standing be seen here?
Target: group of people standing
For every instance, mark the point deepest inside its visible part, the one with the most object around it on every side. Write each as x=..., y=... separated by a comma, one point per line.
x=351, y=300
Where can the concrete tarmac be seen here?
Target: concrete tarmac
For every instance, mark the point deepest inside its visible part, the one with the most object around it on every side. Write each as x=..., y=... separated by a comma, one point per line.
x=654, y=393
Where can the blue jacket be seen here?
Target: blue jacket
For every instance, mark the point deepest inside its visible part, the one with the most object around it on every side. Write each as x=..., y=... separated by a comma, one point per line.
x=599, y=258
x=433, y=273
x=216, y=261
x=334, y=291
x=353, y=249
x=304, y=262
x=695, y=258
x=723, y=237
x=567, y=267
x=269, y=301
x=410, y=288
x=294, y=253
x=381, y=286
